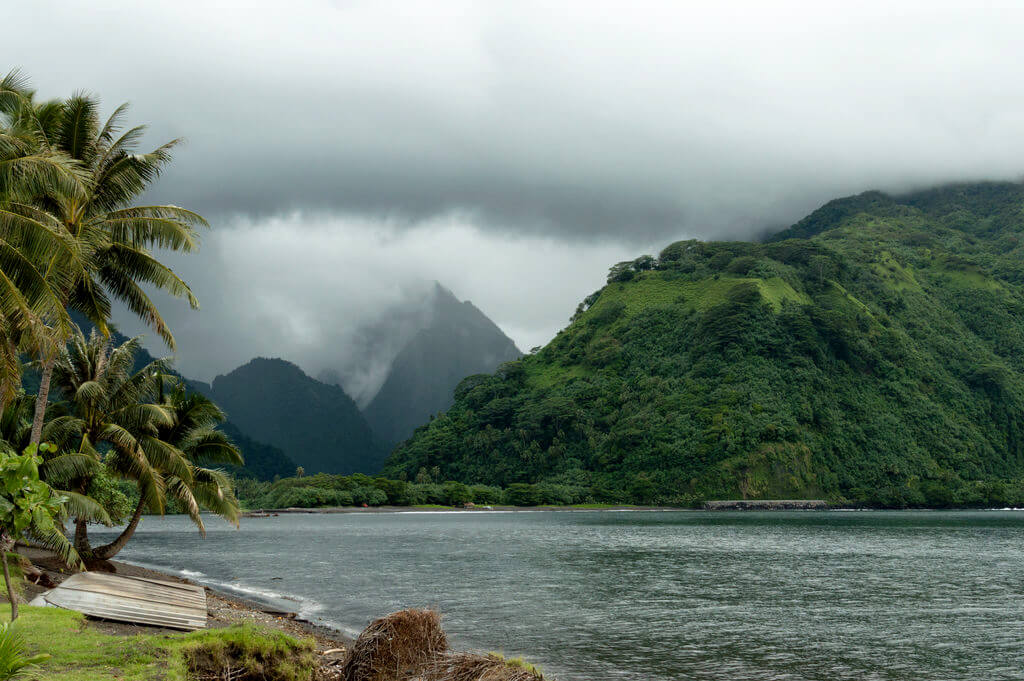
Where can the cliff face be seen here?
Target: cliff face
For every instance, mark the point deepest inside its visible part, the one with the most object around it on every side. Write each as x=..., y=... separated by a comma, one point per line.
x=316, y=425
x=458, y=341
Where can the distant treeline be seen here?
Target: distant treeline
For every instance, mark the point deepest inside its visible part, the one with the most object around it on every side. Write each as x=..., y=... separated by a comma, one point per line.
x=323, y=490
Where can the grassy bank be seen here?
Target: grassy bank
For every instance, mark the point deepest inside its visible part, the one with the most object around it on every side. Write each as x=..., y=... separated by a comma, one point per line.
x=81, y=651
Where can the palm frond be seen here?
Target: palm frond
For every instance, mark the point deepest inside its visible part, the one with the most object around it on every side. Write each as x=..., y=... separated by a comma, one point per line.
x=78, y=127
x=61, y=470
x=84, y=508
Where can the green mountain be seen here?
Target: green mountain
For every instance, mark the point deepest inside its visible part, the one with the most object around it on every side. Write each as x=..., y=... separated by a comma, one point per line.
x=316, y=425
x=873, y=352
x=262, y=461
x=458, y=340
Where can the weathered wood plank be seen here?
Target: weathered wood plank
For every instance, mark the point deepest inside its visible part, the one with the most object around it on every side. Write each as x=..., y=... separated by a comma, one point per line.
x=136, y=600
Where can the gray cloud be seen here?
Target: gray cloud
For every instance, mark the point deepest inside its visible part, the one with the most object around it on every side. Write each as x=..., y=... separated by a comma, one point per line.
x=319, y=290
x=589, y=130
x=582, y=119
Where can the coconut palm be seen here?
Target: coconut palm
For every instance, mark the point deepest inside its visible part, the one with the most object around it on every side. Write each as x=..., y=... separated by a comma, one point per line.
x=113, y=239
x=193, y=431
x=125, y=421
x=30, y=237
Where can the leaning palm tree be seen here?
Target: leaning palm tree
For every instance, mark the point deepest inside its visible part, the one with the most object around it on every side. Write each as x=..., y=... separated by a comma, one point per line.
x=121, y=419
x=193, y=431
x=112, y=237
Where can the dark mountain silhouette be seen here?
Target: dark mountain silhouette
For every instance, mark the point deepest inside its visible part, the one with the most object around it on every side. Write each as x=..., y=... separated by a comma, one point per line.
x=316, y=425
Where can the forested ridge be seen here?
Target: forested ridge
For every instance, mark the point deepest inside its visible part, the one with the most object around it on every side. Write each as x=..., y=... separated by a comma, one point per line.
x=871, y=353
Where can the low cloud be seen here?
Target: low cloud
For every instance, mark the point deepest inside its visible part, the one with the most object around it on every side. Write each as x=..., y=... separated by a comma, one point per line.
x=349, y=292
x=349, y=151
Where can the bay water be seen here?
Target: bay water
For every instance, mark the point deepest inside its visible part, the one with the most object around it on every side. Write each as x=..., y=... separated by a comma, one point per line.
x=595, y=595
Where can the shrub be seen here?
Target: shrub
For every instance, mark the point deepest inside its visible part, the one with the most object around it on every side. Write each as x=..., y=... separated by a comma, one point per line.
x=742, y=264
x=484, y=494
x=397, y=491
x=248, y=653
x=311, y=497
x=520, y=494
x=371, y=496
x=456, y=494
x=547, y=493
x=427, y=493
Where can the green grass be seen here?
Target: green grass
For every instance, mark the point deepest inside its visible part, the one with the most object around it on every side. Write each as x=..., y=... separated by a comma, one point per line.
x=776, y=291
x=79, y=652
x=899, y=277
x=517, y=663
x=548, y=375
x=653, y=290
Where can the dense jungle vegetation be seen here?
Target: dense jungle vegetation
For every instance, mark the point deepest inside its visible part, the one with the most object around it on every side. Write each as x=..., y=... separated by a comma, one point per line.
x=871, y=353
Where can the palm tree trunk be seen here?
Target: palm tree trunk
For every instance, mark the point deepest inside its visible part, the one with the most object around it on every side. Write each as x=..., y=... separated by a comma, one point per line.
x=6, y=544
x=110, y=550
x=82, y=538
x=44, y=395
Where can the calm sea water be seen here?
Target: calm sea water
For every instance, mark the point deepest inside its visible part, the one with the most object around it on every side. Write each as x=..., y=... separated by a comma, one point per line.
x=650, y=595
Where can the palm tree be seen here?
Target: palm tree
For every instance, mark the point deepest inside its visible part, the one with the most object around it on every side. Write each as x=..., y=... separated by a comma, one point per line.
x=193, y=431
x=112, y=238
x=159, y=441
x=30, y=237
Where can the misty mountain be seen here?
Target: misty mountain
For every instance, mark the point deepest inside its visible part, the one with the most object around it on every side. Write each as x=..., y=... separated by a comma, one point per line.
x=459, y=340
x=874, y=353
x=316, y=425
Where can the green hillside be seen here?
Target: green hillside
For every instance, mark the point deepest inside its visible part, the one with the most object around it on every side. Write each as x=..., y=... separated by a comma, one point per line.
x=873, y=352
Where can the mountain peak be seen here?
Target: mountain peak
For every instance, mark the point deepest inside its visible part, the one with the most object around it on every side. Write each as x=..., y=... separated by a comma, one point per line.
x=458, y=340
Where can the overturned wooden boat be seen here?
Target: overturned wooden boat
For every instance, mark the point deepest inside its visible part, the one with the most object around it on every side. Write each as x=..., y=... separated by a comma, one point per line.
x=138, y=600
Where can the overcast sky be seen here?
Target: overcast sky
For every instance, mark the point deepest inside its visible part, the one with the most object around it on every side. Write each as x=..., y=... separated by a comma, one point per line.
x=348, y=152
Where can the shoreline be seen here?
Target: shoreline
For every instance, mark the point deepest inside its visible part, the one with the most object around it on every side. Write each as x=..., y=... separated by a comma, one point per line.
x=270, y=512
x=719, y=507
x=223, y=609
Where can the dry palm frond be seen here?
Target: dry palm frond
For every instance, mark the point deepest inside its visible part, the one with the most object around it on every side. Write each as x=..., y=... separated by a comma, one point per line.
x=395, y=647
